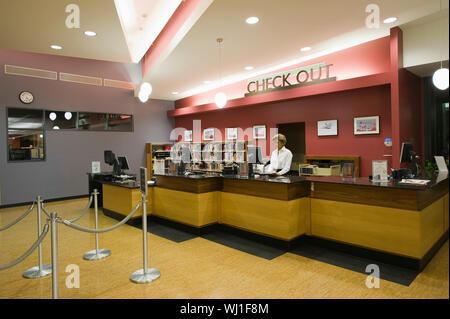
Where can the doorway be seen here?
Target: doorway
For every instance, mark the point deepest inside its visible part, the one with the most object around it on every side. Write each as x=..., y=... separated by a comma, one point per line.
x=295, y=135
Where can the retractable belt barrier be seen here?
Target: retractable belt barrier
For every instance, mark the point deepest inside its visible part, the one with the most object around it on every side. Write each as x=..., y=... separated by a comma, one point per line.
x=144, y=275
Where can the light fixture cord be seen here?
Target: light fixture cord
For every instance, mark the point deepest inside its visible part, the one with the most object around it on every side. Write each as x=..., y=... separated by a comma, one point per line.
x=441, y=32
x=219, y=41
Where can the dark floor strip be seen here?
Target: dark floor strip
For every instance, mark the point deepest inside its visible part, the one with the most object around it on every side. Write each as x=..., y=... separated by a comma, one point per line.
x=393, y=273
x=244, y=244
x=167, y=232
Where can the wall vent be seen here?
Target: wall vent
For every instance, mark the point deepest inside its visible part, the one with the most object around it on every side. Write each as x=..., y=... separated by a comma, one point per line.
x=34, y=73
x=118, y=84
x=80, y=79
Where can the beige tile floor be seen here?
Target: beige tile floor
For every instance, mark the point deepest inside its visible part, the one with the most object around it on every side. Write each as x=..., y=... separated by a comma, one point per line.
x=196, y=268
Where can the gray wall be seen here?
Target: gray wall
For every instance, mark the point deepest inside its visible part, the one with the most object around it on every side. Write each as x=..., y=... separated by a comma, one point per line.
x=69, y=153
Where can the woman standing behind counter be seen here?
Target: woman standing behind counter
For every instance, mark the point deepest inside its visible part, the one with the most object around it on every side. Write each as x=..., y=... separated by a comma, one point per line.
x=281, y=159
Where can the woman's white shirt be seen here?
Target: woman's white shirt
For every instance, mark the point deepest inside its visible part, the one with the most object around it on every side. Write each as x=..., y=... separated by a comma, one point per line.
x=281, y=159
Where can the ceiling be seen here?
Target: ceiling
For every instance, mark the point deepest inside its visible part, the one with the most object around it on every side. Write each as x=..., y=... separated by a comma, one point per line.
x=285, y=26
x=125, y=32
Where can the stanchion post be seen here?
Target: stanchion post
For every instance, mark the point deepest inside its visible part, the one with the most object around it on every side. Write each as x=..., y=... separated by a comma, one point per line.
x=39, y=270
x=97, y=253
x=54, y=239
x=145, y=274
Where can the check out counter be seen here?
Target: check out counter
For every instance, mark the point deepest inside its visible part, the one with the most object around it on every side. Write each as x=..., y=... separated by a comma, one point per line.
x=404, y=220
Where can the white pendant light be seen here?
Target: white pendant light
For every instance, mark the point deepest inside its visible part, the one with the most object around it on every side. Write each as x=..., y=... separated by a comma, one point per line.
x=143, y=97
x=220, y=98
x=440, y=77
x=144, y=92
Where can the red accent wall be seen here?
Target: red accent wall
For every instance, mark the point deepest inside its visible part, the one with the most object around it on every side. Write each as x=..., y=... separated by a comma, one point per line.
x=361, y=60
x=342, y=106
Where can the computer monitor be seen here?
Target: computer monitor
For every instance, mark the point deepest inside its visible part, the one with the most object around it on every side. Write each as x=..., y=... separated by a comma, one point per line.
x=123, y=163
x=110, y=157
x=254, y=155
x=407, y=155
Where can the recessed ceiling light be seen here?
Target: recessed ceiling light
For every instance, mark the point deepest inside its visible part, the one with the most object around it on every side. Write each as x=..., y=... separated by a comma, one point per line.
x=174, y=92
x=206, y=82
x=252, y=20
x=56, y=47
x=390, y=20
x=90, y=33
x=248, y=68
x=305, y=49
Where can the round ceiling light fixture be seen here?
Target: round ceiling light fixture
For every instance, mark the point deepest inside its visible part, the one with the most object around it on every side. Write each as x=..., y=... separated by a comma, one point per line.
x=440, y=79
x=90, y=33
x=248, y=68
x=56, y=47
x=220, y=99
x=68, y=115
x=389, y=20
x=252, y=20
x=144, y=92
x=305, y=49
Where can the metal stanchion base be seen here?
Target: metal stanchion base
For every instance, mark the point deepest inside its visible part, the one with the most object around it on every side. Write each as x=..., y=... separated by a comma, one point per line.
x=140, y=278
x=34, y=272
x=93, y=255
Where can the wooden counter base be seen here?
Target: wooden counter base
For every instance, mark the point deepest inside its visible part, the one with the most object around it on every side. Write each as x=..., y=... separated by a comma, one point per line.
x=122, y=200
x=279, y=219
x=194, y=209
x=404, y=232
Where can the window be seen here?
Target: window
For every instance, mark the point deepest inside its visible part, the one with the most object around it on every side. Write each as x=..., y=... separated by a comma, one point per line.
x=120, y=122
x=25, y=134
x=92, y=121
x=26, y=128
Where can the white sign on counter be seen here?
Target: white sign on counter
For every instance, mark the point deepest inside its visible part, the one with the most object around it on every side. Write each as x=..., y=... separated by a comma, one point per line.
x=95, y=167
x=379, y=171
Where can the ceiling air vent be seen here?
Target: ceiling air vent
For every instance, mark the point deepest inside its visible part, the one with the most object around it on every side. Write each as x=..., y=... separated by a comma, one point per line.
x=118, y=84
x=80, y=79
x=35, y=73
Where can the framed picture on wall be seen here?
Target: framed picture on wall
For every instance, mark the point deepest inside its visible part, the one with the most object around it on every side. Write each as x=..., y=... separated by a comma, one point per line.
x=259, y=132
x=208, y=134
x=366, y=125
x=231, y=133
x=327, y=128
x=188, y=136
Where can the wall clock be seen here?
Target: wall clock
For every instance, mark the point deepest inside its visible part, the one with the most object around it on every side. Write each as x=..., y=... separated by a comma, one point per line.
x=26, y=97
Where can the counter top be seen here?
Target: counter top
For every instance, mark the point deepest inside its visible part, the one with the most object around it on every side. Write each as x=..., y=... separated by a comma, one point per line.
x=130, y=185
x=435, y=179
